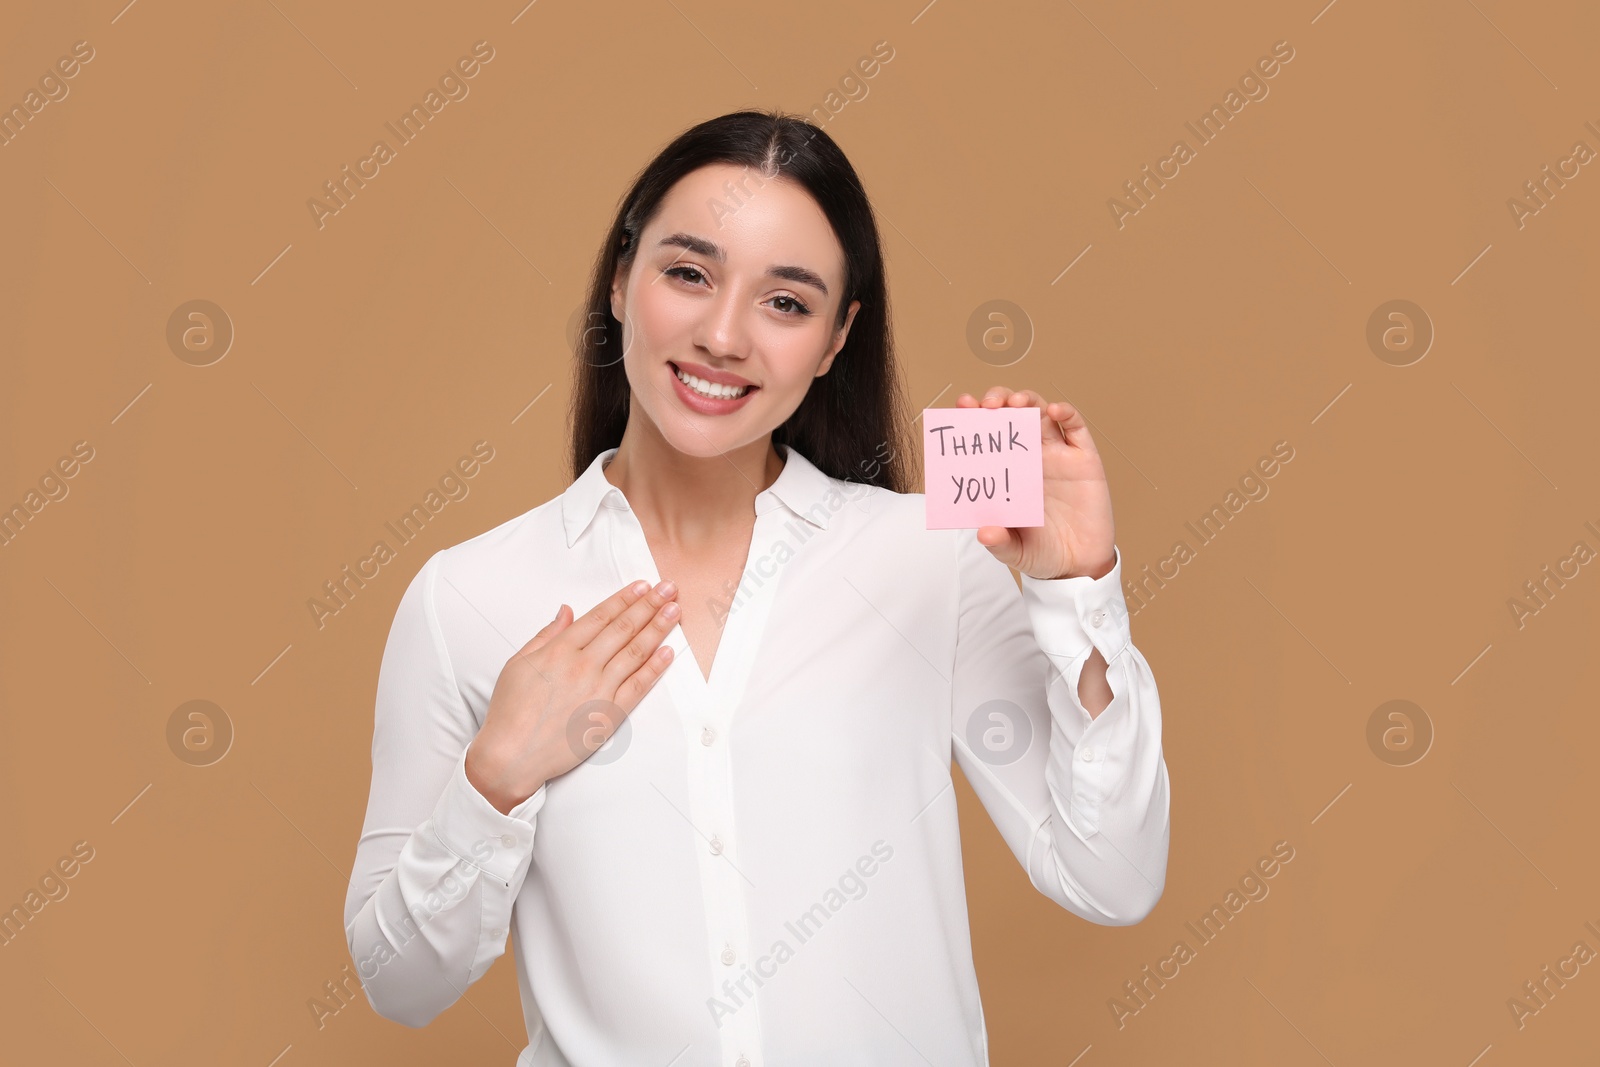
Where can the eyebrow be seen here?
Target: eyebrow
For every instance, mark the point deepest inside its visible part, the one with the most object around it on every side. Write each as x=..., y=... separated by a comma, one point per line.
x=703, y=247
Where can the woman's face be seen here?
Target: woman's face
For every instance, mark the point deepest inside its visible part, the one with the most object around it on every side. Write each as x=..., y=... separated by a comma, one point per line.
x=737, y=280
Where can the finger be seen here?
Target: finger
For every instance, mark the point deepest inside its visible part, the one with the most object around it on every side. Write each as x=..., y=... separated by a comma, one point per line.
x=628, y=624
x=551, y=628
x=995, y=396
x=637, y=651
x=1031, y=398
x=1071, y=425
x=966, y=400
x=634, y=688
x=540, y=639
x=597, y=618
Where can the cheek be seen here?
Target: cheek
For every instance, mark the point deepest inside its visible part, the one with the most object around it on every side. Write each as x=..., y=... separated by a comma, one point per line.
x=793, y=356
x=657, y=326
x=660, y=316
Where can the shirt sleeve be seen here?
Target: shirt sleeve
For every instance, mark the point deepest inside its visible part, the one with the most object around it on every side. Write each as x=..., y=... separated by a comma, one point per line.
x=437, y=867
x=1081, y=801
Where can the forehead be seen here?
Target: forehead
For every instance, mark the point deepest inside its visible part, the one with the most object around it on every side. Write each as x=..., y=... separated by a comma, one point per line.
x=758, y=222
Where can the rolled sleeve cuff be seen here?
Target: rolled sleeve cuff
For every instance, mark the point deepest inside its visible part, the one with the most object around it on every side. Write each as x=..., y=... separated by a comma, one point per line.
x=1072, y=615
x=473, y=830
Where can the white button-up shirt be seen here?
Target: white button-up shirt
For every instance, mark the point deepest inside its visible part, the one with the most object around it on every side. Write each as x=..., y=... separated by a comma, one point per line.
x=762, y=869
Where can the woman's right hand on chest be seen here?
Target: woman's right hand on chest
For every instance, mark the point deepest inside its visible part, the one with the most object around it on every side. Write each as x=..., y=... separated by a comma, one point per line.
x=564, y=693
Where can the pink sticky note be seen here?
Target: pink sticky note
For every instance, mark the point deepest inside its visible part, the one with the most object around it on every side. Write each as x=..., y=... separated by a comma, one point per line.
x=983, y=467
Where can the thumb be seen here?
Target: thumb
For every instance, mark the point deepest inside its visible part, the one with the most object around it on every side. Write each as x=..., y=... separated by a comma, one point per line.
x=1002, y=542
x=544, y=636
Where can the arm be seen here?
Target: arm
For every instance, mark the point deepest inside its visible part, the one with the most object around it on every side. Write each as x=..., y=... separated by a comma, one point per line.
x=1080, y=798
x=437, y=868
x=1094, y=688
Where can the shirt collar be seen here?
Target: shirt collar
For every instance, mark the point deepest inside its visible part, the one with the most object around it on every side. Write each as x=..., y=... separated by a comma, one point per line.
x=801, y=487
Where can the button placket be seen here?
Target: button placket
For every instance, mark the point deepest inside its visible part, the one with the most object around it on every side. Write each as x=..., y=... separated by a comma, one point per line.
x=705, y=709
x=711, y=808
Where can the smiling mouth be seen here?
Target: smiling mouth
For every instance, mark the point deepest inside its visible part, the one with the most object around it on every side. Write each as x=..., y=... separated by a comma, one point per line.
x=710, y=390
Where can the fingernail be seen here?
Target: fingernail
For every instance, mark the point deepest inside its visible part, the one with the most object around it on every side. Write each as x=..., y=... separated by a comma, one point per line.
x=639, y=588
x=666, y=588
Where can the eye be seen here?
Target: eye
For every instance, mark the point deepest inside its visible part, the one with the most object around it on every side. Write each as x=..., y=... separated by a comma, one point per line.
x=684, y=272
x=789, y=306
x=798, y=307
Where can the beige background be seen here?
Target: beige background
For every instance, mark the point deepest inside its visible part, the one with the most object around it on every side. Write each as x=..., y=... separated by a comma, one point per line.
x=1229, y=314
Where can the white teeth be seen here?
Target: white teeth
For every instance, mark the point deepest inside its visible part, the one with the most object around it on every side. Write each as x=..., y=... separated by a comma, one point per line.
x=711, y=390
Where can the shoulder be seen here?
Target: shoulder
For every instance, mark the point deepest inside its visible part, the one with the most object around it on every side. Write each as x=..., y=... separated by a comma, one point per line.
x=896, y=521
x=881, y=538
x=535, y=534
x=476, y=592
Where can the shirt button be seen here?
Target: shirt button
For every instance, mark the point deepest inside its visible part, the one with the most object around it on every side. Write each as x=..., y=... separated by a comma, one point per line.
x=508, y=841
x=727, y=955
x=716, y=845
x=741, y=1062
x=707, y=736
x=1096, y=618
x=1088, y=755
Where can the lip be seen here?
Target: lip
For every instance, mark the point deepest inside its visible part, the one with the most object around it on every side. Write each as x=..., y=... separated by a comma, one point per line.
x=721, y=377
x=703, y=404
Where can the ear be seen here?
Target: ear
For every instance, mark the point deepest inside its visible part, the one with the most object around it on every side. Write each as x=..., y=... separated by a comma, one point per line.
x=619, y=283
x=839, y=338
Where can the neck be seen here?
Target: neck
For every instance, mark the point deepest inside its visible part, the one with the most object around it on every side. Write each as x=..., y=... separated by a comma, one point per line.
x=691, y=500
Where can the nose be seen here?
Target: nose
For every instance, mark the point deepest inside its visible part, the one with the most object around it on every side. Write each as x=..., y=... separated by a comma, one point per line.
x=722, y=330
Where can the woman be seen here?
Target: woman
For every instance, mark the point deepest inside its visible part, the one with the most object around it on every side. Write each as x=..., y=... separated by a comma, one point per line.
x=715, y=812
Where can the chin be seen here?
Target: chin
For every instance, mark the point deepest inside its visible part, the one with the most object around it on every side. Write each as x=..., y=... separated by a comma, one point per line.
x=686, y=441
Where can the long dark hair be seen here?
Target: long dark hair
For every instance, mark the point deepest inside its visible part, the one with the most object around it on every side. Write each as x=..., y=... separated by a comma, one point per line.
x=853, y=422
